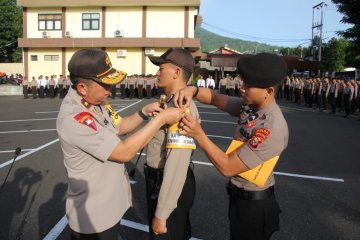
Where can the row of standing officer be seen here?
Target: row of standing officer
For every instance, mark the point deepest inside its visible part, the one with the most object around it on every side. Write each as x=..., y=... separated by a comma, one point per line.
x=334, y=94
x=230, y=85
x=137, y=86
x=46, y=87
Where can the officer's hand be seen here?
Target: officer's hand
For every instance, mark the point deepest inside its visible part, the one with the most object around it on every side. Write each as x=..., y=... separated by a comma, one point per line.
x=185, y=94
x=172, y=115
x=152, y=109
x=159, y=226
x=190, y=126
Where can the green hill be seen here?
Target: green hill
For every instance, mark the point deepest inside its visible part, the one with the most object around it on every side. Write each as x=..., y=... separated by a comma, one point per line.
x=211, y=41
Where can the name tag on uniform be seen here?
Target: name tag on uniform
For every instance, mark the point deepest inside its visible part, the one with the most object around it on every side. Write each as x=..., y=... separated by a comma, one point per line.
x=176, y=140
x=258, y=175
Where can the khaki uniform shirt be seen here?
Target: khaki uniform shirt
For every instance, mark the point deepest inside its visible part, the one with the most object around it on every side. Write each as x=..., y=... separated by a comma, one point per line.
x=175, y=163
x=223, y=82
x=231, y=84
x=25, y=82
x=271, y=145
x=99, y=190
x=140, y=81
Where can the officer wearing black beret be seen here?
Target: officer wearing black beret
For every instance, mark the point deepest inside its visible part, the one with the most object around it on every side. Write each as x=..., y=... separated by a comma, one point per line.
x=258, y=141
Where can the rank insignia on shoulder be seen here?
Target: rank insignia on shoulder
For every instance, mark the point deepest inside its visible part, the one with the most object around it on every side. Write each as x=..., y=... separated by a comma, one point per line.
x=85, y=103
x=258, y=137
x=86, y=119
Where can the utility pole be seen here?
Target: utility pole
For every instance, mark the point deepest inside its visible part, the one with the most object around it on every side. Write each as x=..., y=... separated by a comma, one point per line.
x=319, y=26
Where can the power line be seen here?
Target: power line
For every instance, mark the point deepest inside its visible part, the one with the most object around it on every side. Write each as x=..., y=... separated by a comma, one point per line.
x=253, y=37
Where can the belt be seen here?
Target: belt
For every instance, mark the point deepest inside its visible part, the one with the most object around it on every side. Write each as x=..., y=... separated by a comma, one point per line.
x=240, y=193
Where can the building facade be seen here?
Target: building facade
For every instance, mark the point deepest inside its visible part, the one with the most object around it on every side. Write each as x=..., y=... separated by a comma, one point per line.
x=128, y=30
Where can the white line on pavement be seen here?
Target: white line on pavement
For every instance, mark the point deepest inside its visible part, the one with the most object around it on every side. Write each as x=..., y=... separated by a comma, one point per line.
x=28, y=131
x=287, y=174
x=311, y=177
x=28, y=153
x=205, y=106
x=57, y=229
x=48, y=112
x=13, y=151
x=214, y=113
x=60, y=226
x=27, y=120
x=129, y=106
x=216, y=136
x=218, y=121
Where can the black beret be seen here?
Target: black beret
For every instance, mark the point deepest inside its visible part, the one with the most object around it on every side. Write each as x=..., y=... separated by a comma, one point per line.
x=262, y=70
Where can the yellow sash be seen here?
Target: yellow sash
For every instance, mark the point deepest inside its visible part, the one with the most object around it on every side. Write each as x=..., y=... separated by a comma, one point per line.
x=176, y=140
x=114, y=116
x=258, y=175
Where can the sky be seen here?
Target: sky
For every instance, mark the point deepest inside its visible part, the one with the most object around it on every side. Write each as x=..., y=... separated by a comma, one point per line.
x=286, y=23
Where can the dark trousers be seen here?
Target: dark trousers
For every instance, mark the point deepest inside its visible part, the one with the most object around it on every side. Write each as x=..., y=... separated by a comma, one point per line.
x=25, y=91
x=178, y=223
x=222, y=89
x=347, y=104
x=323, y=100
x=339, y=101
x=140, y=91
x=232, y=91
x=286, y=92
x=148, y=91
x=109, y=234
x=52, y=91
x=252, y=219
x=42, y=92
x=61, y=91
x=132, y=90
x=113, y=91
x=332, y=101
x=34, y=92
x=122, y=91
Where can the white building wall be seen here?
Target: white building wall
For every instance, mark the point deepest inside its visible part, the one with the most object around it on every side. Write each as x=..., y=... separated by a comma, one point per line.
x=150, y=67
x=165, y=22
x=42, y=67
x=192, y=13
x=128, y=19
x=131, y=64
x=32, y=22
x=74, y=22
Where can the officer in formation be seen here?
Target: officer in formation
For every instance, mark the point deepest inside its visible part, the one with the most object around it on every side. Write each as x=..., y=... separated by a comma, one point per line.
x=99, y=191
x=49, y=87
x=258, y=141
x=230, y=85
x=25, y=87
x=137, y=86
x=170, y=181
x=332, y=94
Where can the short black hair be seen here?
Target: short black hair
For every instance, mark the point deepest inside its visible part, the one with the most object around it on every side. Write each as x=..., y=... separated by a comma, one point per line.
x=187, y=74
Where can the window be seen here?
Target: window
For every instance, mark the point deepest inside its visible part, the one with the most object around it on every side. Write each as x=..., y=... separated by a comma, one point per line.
x=49, y=22
x=51, y=58
x=90, y=21
x=33, y=58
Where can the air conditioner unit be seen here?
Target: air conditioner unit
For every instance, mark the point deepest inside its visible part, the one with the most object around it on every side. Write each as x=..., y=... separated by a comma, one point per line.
x=149, y=51
x=68, y=34
x=121, y=53
x=119, y=33
x=45, y=34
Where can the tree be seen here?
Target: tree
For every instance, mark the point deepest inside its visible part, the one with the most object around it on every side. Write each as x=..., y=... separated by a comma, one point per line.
x=11, y=29
x=335, y=54
x=351, y=9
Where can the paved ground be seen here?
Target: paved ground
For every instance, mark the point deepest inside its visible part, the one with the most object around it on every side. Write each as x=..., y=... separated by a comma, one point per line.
x=317, y=176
